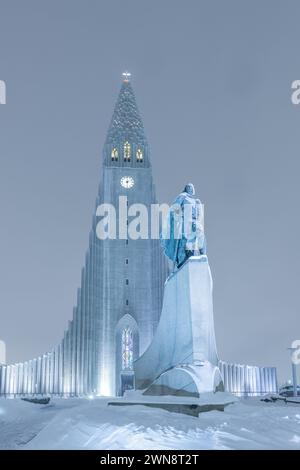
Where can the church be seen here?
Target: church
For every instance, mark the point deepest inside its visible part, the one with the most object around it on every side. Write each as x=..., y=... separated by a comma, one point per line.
x=120, y=297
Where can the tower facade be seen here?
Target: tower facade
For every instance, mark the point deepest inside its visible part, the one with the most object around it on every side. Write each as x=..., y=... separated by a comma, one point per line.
x=134, y=271
x=120, y=297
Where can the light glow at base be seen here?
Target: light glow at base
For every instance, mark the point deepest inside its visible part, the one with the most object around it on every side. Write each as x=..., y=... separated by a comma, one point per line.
x=105, y=389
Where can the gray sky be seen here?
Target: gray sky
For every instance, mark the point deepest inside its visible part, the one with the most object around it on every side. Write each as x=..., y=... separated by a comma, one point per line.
x=213, y=83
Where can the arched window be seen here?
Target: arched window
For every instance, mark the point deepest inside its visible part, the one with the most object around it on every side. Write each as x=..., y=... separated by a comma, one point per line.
x=127, y=349
x=127, y=151
x=139, y=155
x=114, y=155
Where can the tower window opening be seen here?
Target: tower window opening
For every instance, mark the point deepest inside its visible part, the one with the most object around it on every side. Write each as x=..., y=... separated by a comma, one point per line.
x=127, y=282
x=139, y=155
x=114, y=155
x=127, y=349
x=126, y=261
x=127, y=302
x=127, y=151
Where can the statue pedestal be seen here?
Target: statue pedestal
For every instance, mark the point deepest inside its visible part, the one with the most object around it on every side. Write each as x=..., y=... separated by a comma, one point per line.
x=182, y=358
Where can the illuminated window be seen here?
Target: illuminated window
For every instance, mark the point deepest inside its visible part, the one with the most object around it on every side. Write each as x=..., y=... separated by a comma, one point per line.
x=127, y=152
x=139, y=155
x=127, y=349
x=114, y=155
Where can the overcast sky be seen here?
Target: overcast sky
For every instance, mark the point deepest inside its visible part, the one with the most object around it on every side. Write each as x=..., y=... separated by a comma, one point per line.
x=213, y=83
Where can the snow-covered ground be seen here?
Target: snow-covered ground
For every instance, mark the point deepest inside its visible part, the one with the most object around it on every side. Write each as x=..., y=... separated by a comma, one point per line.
x=91, y=424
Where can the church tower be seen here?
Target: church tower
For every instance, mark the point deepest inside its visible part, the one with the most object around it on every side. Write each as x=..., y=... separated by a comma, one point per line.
x=120, y=297
x=133, y=271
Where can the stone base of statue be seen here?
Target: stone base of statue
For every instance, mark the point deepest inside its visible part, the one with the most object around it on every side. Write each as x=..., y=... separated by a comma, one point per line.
x=182, y=359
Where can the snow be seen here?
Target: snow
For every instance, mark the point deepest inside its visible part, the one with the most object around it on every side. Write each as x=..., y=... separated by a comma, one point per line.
x=91, y=424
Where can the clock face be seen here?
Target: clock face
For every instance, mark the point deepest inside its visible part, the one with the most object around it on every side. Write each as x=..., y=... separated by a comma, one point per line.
x=127, y=182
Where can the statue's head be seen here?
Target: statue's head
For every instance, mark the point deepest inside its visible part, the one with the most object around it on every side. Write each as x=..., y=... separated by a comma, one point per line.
x=190, y=189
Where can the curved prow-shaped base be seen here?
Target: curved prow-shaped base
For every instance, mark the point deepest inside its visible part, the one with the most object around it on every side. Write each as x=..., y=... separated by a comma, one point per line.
x=188, y=380
x=183, y=349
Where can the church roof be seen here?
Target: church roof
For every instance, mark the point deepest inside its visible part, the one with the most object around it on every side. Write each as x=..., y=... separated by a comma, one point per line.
x=126, y=121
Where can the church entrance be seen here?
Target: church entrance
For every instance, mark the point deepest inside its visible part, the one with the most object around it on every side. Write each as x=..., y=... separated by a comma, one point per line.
x=127, y=381
x=127, y=350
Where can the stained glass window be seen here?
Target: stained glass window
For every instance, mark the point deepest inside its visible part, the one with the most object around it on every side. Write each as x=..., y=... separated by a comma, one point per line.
x=139, y=155
x=127, y=151
x=127, y=349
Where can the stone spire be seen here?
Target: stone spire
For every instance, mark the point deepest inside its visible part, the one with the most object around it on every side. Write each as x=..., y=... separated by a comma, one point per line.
x=126, y=128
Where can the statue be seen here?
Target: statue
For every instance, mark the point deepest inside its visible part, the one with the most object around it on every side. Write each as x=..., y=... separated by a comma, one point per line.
x=183, y=231
x=182, y=358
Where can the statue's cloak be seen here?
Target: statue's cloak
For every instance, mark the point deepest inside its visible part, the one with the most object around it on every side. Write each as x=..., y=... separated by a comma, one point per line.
x=177, y=244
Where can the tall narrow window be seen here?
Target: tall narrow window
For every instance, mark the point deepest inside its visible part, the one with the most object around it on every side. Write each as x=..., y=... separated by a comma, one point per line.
x=114, y=155
x=127, y=151
x=127, y=349
x=139, y=155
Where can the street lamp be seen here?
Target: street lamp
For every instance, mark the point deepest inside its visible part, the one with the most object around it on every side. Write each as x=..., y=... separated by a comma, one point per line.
x=294, y=371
